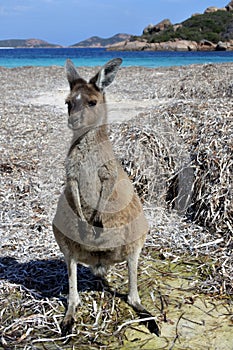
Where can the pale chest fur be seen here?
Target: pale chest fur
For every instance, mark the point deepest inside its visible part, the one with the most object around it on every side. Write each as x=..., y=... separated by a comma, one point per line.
x=90, y=165
x=107, y=199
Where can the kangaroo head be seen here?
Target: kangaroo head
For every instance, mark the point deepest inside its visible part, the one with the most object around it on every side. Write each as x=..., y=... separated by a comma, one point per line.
x=86, y=102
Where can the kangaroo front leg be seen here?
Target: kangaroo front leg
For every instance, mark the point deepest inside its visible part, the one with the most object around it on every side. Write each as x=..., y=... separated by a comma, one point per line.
x=133, y=296
x=73, y=299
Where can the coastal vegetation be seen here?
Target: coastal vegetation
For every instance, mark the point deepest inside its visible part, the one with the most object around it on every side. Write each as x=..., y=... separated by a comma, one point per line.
x=212, y=30
x=214, y=26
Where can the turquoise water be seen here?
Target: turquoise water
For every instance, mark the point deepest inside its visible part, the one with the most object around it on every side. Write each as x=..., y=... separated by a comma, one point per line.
x=95, y=57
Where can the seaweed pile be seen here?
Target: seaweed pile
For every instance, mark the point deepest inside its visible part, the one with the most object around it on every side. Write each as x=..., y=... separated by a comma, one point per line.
x=154, y=154
x=179, y=156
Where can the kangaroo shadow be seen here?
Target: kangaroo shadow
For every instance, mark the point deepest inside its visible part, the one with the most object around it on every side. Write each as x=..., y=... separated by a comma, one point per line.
x=47, y=278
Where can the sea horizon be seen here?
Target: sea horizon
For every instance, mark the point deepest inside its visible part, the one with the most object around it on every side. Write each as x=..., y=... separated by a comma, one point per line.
x=19, y=57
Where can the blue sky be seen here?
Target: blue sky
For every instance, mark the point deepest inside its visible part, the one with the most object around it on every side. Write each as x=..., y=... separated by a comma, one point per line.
x=66, y=22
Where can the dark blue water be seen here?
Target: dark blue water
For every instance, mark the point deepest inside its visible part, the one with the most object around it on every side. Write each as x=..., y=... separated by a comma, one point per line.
x=96, y=57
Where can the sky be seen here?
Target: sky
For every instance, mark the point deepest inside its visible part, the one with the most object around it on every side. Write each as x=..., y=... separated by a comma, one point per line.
x=66, y=22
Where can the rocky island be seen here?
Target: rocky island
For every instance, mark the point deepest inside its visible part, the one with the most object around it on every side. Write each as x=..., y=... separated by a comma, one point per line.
x=26, y=43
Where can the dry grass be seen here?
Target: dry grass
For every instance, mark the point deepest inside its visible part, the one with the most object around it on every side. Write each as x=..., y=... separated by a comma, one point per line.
x=187, y=140
x=180, y=178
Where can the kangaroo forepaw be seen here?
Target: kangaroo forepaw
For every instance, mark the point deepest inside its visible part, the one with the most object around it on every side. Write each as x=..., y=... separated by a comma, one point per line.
x=67, y=325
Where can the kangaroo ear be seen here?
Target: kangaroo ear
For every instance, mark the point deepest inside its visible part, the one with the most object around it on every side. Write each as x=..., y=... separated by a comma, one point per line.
x=107, y=74
x=71, y=73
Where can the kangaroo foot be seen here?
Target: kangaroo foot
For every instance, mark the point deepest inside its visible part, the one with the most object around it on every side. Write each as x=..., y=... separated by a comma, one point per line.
x=150, y=324
x=67, y=325
x=142, y=313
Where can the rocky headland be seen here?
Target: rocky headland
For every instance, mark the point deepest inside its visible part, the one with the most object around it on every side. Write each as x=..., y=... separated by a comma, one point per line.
x=210, y=31
x=172, y=45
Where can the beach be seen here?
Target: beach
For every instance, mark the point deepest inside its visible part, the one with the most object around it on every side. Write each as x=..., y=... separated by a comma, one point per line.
x=162, y=121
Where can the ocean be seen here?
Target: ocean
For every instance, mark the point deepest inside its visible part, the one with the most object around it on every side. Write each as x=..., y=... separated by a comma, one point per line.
x=96, y=57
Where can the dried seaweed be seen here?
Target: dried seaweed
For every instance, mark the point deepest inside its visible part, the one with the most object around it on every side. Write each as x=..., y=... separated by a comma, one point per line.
x=185, y=134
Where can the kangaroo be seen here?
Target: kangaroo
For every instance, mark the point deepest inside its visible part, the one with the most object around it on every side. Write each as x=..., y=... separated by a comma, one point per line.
x=99, y=219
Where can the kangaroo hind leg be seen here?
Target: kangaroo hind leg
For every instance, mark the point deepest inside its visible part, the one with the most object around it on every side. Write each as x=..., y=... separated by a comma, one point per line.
x=73, y=299
x=133, y=296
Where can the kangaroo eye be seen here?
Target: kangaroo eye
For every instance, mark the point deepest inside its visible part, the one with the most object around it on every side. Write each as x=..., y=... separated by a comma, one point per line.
x=69, y=106
x=92, y=103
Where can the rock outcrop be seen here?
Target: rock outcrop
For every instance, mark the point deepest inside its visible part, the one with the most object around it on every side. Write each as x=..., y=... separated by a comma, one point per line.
x=206, y=45
x=212, y=9
x=222, y=46
x=229, y=6
x=156, y=28
x=176, y=45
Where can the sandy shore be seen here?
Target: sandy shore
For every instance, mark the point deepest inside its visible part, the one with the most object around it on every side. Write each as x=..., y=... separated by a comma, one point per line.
x=123, y=104
x=193, y=101
x=136, y=89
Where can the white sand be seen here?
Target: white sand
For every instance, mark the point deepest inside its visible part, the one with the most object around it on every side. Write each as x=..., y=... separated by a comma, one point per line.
x=118, y=110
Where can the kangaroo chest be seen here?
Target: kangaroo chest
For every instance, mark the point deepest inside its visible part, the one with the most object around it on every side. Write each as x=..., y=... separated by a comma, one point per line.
x=113, y=212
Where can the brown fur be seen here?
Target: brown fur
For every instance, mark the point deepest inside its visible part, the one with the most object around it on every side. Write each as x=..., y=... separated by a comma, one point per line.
x=97, y=190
